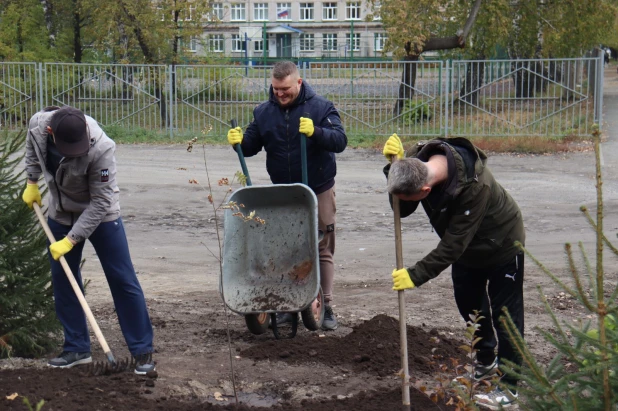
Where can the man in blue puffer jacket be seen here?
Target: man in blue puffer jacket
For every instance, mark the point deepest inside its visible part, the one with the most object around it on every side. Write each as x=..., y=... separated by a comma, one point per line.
x=294, y=108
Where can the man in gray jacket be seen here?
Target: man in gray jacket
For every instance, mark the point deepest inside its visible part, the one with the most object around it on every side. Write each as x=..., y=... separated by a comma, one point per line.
x=77, y=161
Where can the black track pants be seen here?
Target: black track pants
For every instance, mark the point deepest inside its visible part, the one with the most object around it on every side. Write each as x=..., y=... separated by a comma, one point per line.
x=488, y=290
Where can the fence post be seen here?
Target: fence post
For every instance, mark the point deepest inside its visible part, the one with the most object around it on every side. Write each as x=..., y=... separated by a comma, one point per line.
x=600, y=60
x=40, y=98
x=446, y=93
x=170, y=111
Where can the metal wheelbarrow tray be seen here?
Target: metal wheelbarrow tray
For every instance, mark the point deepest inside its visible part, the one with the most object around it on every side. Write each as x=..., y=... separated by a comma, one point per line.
x=273, y=267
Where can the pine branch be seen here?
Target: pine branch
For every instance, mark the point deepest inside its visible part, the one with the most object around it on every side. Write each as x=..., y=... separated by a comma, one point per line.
x=522, y=348
x=591, y=278
x=580, y=295
x=546, y=271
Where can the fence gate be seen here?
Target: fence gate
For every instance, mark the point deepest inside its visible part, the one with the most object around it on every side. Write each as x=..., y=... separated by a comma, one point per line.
x=19, y=94
x=384, y=97
x=552, y=97
x=126, y=95
x=540, y=97
x=208, y=97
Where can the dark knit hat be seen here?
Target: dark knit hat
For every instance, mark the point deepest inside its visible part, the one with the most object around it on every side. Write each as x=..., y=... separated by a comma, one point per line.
x=70, y=131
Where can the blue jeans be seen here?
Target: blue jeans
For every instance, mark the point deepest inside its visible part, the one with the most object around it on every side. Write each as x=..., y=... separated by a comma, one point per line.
x=110, y=243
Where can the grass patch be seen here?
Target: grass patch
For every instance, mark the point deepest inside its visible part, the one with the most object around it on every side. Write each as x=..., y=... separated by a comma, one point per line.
x=523, y=145
x=501, y=144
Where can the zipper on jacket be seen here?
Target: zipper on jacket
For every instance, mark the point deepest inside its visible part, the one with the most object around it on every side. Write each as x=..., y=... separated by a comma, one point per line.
x=58, y=183
x=287, y=133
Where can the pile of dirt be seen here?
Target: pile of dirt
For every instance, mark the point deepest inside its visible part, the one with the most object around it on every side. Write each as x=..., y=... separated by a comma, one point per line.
x=372, y=346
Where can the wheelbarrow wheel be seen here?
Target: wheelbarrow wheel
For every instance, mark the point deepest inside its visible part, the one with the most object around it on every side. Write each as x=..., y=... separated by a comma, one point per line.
x=257, y=323
x=313, y=316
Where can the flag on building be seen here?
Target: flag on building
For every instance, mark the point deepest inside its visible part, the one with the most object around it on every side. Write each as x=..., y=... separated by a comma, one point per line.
x=283, y=14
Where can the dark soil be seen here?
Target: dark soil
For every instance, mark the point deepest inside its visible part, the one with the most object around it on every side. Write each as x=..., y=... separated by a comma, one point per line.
x=371, y=348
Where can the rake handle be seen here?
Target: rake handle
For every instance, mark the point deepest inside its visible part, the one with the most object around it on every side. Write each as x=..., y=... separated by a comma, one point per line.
x=403, y=339
x=76, y=289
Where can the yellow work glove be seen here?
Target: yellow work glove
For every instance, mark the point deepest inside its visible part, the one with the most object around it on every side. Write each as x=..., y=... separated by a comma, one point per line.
x=60, y=248
x=234, y=136
x=401, y=279
x=393, y=147
x=31, y=195
x=306, y=126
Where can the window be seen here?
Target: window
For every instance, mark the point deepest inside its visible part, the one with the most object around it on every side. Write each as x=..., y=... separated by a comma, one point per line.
x=355, y=42
x=192, y=45
x=306, y=11
x=376, y=11
x=216, y=12
x=353, y=10
x=329, y=42
x=329, y=11
x=380, y=40
x=307, y=42
x=283, y=11
x=260, y=12
x=258, y=46
x=238, y=43
x=186, y=15
x=237, y=12
x=215, y=43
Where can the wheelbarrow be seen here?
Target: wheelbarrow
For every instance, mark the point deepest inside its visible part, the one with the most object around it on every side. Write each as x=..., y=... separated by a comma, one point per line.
x=273, y=267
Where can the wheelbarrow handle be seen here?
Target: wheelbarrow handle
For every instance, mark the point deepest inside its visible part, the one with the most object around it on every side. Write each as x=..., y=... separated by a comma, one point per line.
x=303, y=154
x=241, y=156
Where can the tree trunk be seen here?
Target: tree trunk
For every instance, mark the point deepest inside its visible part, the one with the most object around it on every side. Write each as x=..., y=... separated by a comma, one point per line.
x=48, y=11
x=406, y=87
x=77, y=35
x=149, y=56
x=408, y=75
x=475, y=74
x=524, y=85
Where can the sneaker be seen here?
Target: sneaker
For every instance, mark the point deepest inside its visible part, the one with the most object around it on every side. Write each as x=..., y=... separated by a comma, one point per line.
x=497, y=399
x=330, y=322
x=144, y=363
x=68, y=359
x=481, y=372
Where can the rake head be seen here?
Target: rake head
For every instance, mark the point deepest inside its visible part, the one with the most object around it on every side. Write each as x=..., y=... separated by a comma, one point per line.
x=109, y=367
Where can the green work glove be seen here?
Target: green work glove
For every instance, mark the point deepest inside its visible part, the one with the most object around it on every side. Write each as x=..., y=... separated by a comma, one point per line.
x=31, y=195
x=234, y=136
x=402, y=280
x=393, y=147
x=306, y=126
x=60, y=248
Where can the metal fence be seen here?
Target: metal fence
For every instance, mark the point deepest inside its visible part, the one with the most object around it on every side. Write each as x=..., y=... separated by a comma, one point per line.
x=543, y=97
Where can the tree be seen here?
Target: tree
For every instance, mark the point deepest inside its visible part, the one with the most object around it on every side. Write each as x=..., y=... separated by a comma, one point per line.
x=28, y=323
x=527, y=28
x=417, y=27
x=582, y=375
x=23, y=33
x=158, y=29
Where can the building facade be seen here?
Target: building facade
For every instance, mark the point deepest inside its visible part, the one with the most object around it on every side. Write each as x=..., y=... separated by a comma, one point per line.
x=261, y=30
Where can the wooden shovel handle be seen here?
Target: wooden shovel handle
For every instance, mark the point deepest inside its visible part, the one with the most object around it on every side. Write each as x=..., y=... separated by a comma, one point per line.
x=403, y=339
x=76, y=289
